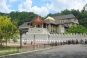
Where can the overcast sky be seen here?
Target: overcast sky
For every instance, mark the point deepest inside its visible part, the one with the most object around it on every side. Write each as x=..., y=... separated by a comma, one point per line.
x=41, y=7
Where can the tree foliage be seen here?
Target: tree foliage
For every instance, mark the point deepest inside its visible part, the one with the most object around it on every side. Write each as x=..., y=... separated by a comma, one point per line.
x=22, y=17
x=77, y=29
x=7, y=29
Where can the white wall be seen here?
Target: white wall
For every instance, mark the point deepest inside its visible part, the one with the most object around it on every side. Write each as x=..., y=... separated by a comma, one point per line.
x=38, y=31
x=61, y=29
x=44, y=38
x=49, y=28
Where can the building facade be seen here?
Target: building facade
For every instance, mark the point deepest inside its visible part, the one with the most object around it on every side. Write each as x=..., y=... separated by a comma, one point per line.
x=50, y=25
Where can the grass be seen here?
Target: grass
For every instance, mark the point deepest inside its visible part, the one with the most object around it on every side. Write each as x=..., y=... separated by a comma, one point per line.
x=7, y=47
x=6, y=50
x=7, y=53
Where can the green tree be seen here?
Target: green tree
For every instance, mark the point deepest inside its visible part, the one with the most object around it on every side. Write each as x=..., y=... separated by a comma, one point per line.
x=66, y=11
x=22, y=17
x=84, y=8
x=83, y=22
x=77, y=29
x=7, y=29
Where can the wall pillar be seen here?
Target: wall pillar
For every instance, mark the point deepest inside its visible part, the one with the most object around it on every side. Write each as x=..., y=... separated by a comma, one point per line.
x=42, y=25
x=46, y=25
x=35, y=25
x=53, y=29
x=49, y=28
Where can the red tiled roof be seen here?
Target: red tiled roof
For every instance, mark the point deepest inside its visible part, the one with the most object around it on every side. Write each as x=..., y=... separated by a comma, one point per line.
x=37, y=20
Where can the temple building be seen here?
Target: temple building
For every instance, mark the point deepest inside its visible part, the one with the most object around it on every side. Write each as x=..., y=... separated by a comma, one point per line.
x=50, y=25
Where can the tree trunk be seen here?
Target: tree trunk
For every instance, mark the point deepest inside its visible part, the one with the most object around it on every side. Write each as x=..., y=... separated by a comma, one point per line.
x=1, y=42
x=20, y=41
x=6, y=42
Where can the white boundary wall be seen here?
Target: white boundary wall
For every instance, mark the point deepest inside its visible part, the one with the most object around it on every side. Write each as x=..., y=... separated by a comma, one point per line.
x=45, y=38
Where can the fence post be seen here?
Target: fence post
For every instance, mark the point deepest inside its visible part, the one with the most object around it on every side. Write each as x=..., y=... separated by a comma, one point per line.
x=38, y=46
x=44, y=46
x=17, y=49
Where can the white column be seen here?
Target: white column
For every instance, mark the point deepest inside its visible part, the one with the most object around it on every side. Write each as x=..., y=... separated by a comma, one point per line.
x=35, y=25
x=42, y=25
x=46, y=25
x=52, y=28
x=49, y=28
x=29, y=25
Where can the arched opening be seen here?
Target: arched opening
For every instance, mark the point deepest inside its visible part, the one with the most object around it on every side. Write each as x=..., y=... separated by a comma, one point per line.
x=38, y=26
x=44, y=25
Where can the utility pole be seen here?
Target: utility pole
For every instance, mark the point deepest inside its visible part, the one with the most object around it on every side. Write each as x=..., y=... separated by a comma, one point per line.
x=21, y=38
x=34, y=38
x=48, y=38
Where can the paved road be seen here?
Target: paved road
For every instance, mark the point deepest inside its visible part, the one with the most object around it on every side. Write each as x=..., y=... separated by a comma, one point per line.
x=66, y=51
